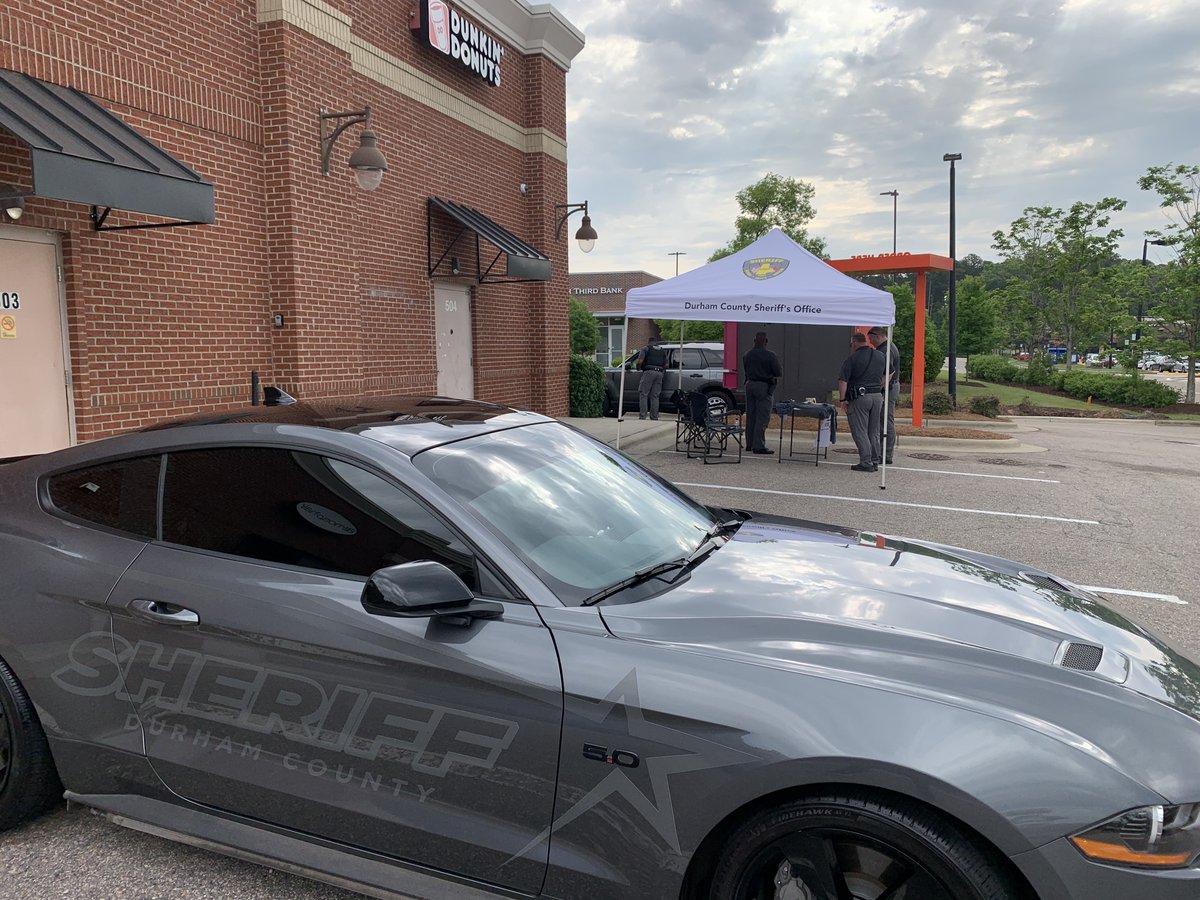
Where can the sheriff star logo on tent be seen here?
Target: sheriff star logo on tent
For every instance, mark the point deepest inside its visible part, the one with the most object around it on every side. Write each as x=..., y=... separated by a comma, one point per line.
x=764, y=267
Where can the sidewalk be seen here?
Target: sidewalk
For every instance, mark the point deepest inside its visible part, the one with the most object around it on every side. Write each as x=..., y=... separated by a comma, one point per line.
x=643, y=433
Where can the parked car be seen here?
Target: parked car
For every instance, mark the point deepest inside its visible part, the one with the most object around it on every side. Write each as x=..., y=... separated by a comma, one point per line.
x=430, y=647
x=703, y=369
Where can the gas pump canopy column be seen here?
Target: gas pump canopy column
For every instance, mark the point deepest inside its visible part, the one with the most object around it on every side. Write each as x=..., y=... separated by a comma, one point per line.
x=900, y=264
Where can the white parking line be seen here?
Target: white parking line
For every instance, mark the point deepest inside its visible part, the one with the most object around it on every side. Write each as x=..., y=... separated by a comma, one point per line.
x=834, y=462
x=964, y=474
x=961, y=509
x=1165, y=598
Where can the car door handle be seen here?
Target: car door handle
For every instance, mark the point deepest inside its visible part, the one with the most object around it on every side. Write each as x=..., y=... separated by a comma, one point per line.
x=697, y=375
x=166, y=613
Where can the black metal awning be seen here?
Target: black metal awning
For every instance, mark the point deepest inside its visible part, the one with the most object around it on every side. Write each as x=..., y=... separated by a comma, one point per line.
x=83, y=153
x=523, y=262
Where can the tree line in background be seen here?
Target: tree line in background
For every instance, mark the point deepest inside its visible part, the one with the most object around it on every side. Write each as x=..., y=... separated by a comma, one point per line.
x=1059, y=281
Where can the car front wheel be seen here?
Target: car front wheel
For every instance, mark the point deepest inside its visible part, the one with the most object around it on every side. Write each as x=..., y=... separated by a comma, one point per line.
x=853, y=847
x=28, y=781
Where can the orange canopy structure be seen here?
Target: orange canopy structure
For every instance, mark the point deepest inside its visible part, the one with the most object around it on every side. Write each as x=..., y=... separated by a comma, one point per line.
x=900, y=264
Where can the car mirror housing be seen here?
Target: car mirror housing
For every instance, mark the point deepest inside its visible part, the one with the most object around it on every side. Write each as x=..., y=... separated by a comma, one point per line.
x=422, y=590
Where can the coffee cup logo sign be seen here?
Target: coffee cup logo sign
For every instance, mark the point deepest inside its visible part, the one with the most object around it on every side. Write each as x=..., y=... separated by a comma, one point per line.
x=452, y=33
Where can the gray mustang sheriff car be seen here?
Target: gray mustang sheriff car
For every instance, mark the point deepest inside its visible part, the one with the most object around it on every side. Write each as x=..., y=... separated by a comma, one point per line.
x=446, y=649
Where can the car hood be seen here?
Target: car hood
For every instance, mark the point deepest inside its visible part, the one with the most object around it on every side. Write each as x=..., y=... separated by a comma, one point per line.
x=826, y=599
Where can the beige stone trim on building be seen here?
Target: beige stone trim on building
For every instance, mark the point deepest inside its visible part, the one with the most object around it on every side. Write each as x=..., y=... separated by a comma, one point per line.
x=328, y=24
x=318, y=19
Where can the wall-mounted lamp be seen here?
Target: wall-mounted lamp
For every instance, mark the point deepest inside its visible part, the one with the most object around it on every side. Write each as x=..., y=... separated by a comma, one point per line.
x=367, y=161
x=586, y=235
x=12, y=201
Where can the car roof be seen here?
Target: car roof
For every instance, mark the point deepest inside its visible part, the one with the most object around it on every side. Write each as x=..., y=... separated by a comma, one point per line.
x=408, y=423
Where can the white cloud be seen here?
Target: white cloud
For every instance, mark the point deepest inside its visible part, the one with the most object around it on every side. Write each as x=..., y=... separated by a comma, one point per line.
x=674, y=107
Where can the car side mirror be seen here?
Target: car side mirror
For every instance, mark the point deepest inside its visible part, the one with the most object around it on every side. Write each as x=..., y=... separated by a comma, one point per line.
x=425, y=589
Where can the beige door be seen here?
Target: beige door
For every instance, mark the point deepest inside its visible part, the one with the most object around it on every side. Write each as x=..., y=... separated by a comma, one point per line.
x=452, y=318
x=35, y=416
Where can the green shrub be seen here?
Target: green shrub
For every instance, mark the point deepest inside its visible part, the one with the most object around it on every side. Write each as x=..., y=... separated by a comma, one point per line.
x=585, y=387
x=1115, y=389
x=1041, y=371
x=992, y=368
x=938, y=404
x=986, y=405
x=1148, y=393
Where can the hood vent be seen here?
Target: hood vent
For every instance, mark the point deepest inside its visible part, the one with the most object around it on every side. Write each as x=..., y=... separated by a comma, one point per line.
x=1085, y=657
x=1045, y=581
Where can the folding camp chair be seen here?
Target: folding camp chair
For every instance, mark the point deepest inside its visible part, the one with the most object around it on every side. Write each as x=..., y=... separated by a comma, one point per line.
x=687, y=429
x=716, y=434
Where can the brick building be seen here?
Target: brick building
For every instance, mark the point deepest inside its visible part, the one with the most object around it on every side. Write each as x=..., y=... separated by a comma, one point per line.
x=604, y=294
x=447, y=278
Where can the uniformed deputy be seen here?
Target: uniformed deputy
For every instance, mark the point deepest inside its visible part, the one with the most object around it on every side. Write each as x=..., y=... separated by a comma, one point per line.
x=652, y=360
x=860, y=384
x=762, y=370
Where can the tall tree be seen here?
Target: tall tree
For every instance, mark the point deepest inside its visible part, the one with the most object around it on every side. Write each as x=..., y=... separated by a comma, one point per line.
x=976, y=319
x=582, y=328
x=668, y=329
x=904, y=335
x=774, y=202
x=1178, y=312
x=1058, y=255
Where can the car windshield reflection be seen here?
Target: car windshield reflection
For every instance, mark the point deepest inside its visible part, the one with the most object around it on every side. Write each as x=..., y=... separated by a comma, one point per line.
x=581, y=514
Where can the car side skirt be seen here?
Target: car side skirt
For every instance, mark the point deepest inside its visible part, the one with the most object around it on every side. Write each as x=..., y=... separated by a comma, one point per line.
x=343, y=867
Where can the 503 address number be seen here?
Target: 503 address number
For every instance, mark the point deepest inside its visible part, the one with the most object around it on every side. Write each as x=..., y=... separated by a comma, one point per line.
x=10, y=300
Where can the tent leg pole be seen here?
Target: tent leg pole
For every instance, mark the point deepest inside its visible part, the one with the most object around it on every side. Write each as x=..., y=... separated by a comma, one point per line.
x=621, y=392
x=887, y=383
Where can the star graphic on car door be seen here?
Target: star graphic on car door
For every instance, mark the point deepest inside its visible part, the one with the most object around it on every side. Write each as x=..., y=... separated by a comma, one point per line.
x=656, y=807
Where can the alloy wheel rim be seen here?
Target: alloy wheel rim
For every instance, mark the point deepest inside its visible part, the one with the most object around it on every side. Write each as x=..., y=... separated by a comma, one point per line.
x=838, y=864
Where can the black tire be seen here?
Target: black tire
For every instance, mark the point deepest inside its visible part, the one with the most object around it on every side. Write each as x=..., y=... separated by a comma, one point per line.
x=852, y=846
x=28, y=780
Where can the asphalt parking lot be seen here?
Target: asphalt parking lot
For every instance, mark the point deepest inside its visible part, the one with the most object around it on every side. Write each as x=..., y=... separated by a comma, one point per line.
x=1108, y=504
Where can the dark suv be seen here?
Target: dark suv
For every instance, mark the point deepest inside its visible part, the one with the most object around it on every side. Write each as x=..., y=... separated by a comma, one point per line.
x=703, y=370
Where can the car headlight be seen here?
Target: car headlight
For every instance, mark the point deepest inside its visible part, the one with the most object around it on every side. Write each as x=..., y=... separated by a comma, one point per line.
x=1153, y=837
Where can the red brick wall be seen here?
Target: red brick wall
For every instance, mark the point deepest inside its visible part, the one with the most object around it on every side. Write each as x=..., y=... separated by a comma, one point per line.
x=170, y=321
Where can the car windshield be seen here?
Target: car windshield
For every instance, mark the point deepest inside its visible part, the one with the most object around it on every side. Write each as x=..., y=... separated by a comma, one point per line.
x=582, y=515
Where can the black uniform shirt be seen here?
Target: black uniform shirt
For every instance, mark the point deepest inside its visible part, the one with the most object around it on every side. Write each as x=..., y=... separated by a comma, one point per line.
x=760, y=364
x=863, y=368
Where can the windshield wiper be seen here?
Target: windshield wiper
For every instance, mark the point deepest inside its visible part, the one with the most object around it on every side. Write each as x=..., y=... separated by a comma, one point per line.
x=682, y=565
x=728, y=526
x=637, y=577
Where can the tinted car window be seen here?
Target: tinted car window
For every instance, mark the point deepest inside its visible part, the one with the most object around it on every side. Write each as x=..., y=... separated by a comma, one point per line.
x=121, y=494
x=716, y=358
x=301, y=509
x=692, y=359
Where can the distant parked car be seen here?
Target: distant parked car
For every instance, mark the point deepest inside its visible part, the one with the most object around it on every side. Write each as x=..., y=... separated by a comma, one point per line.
x=703, y=370
x=1023, y=357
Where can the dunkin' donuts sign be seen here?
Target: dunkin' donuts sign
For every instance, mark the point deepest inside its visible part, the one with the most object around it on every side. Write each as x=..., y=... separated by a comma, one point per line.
x=448, y=30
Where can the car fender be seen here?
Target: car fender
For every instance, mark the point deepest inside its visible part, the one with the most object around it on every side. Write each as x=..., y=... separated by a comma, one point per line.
x=663, y=745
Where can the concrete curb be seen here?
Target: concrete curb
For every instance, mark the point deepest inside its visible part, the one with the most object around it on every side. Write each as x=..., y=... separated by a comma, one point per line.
x=640, y=433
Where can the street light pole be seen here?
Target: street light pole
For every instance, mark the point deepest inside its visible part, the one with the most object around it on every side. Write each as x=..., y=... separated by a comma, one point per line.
x=893, y=195
x=677, y=254
x=953, y=322
x=1146, y=242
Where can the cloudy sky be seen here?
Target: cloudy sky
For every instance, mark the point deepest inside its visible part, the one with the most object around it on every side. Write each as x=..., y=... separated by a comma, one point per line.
x=673, y=107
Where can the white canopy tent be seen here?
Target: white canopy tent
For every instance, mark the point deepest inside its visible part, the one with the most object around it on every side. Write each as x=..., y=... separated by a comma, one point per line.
x=774, y=280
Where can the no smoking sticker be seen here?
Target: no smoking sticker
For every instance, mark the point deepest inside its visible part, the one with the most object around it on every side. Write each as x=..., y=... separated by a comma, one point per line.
x=8, y=327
